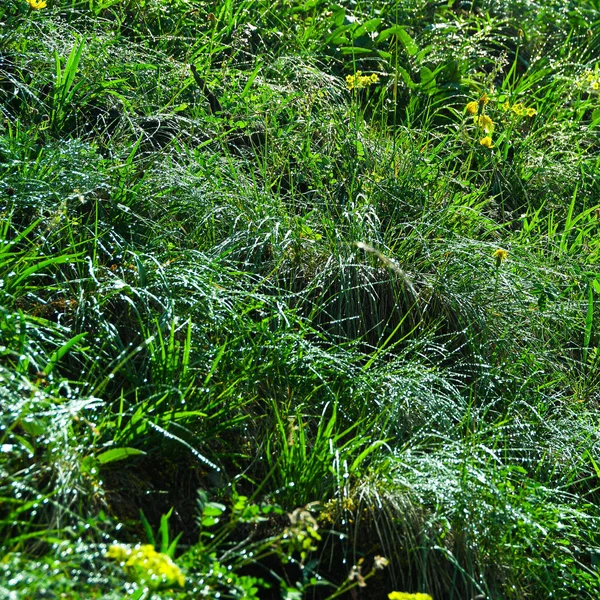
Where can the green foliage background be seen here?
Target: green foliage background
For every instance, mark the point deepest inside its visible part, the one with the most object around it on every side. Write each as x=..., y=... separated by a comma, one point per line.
x=258, y=320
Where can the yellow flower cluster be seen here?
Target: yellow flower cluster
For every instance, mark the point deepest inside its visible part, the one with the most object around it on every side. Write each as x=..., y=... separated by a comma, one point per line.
x=405, y=596
x=358, y=80
x=333, y=508
x=591, y=81
x=476, y=108
x=485, y=123
x=144, y=563
x=519, y=109
x=37, y=4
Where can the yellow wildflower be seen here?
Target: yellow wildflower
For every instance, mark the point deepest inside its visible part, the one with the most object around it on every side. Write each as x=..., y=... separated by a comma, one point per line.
x=358, y=80
x=118, y=552
x=472, y=107
x=484, y=100
x=518, y=109
x=500, y=255
x=589, y=81
x=486, y=142
x=531, y=112
x=485, y=123
x=37, y=4
x=405, y=596
x=144, y=563
x=506, y=106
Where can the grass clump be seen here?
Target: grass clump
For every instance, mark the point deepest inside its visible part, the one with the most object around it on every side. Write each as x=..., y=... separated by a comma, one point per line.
x=299, y=300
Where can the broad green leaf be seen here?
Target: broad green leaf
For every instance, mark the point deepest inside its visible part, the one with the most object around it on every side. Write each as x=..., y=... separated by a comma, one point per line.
x=407, y=78
x=409, y=44
x=213, y=509
x=355, y=50
x=116, y=454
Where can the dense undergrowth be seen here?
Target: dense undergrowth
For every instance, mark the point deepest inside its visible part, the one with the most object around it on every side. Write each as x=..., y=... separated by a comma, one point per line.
x=299, y=296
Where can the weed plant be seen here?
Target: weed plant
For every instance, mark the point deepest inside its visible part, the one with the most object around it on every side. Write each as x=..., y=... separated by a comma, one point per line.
x=299, y=299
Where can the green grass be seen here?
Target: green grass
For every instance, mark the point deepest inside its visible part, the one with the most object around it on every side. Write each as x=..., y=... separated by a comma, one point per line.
x=255, y=319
